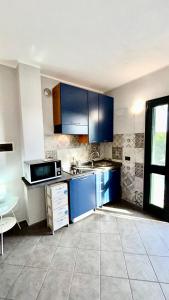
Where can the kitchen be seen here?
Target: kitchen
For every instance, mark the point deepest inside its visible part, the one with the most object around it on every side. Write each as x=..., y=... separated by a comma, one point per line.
x=106, y=172
x=101, y=225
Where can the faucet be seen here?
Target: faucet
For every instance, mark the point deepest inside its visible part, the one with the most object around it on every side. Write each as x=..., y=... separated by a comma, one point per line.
x=96, y=154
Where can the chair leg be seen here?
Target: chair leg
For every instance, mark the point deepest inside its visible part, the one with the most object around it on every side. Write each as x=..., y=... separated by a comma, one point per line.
x=16, y=220
x=2, y=245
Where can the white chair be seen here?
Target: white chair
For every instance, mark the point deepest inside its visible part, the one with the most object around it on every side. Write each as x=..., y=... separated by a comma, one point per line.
x=7, y=205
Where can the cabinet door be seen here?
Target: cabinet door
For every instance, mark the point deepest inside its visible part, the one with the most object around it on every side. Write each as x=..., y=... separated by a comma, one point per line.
x=111, y=186
x=93, y=101
x=82, y=195
x=74, y=105
x=114, y=192
x=105, y=118
x=106, y=186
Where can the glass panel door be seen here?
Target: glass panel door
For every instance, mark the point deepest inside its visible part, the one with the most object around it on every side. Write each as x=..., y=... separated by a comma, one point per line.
x=156, y=159
x=159, y=134
x=157, y=187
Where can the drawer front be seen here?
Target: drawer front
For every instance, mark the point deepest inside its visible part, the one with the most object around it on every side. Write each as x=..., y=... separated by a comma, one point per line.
x=56, y=203
x=57, y=191
x=60, y=224
x=56, y=224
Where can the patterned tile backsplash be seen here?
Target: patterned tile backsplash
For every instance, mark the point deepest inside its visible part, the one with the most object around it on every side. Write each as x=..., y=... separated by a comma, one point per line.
x=130, y=146
x=118, y=140
x=67, y=148
x=139, y=170
x=139, y=140
x=117, y=152
x=124, y=147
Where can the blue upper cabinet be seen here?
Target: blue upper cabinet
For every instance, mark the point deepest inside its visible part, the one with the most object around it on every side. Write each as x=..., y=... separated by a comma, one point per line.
x=70, y=109
x=105, y=118
x=93, y=102
x=100, y=118
x=81, y=112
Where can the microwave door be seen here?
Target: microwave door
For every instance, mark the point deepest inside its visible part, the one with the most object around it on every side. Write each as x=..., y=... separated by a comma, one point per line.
x=43, y=171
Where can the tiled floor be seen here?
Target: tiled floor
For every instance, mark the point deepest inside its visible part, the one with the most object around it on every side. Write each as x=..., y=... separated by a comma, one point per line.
x=112, y=255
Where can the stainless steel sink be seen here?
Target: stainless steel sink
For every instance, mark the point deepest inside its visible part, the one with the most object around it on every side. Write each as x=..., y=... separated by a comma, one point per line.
x=89, y=166
x=98, y=164
x=103, y=163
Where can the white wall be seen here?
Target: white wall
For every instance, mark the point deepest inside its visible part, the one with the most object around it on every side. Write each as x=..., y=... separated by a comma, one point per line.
x=31, y=112
x=146, y=88
x=47, y=105
x=129, y=127
x=10, y=162
x=32, y=134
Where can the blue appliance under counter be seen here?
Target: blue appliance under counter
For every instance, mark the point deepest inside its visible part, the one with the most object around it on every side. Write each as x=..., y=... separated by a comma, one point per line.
x=82, y=191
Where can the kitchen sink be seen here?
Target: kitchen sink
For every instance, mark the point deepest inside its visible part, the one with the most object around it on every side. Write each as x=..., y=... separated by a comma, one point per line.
x=89, y=166
x=103, y=163
x=98, y=164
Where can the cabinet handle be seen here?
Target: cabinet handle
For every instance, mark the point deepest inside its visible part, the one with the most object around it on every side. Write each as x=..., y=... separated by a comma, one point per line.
x=84, y=178
x=79, y=178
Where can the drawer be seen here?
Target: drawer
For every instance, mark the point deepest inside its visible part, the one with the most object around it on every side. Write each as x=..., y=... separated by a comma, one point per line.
x=60, y=224
x=57, y=202
x=57, y=212
x=56, y=225
x=61, y=212
x=60, y=219
x=58, y=195
x=57, y=190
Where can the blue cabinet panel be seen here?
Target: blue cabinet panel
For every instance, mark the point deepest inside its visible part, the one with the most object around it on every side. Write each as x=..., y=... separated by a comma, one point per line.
x=74, y=129
x=116, y=185
x=111, y=188
x=99, y=177
x=105, y=118
x=74, y=105
x=93, y=102
x=82, y=195
x=107, y=186
x=78, y=111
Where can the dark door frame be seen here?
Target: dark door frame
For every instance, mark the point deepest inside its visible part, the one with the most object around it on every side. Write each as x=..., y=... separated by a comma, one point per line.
x=149, y=168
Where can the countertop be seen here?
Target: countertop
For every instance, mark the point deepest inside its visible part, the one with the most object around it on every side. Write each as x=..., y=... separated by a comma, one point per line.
x=67, y=176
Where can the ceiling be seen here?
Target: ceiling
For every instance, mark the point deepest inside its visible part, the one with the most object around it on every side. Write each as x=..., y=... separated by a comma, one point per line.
x=100, y=44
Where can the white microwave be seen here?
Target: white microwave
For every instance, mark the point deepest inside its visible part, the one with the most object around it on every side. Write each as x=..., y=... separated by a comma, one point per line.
x=41, y=170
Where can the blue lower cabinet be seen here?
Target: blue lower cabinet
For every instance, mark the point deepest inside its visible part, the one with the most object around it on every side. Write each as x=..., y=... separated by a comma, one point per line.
x=82, y=195
x=107, y=186
x=99, y=179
